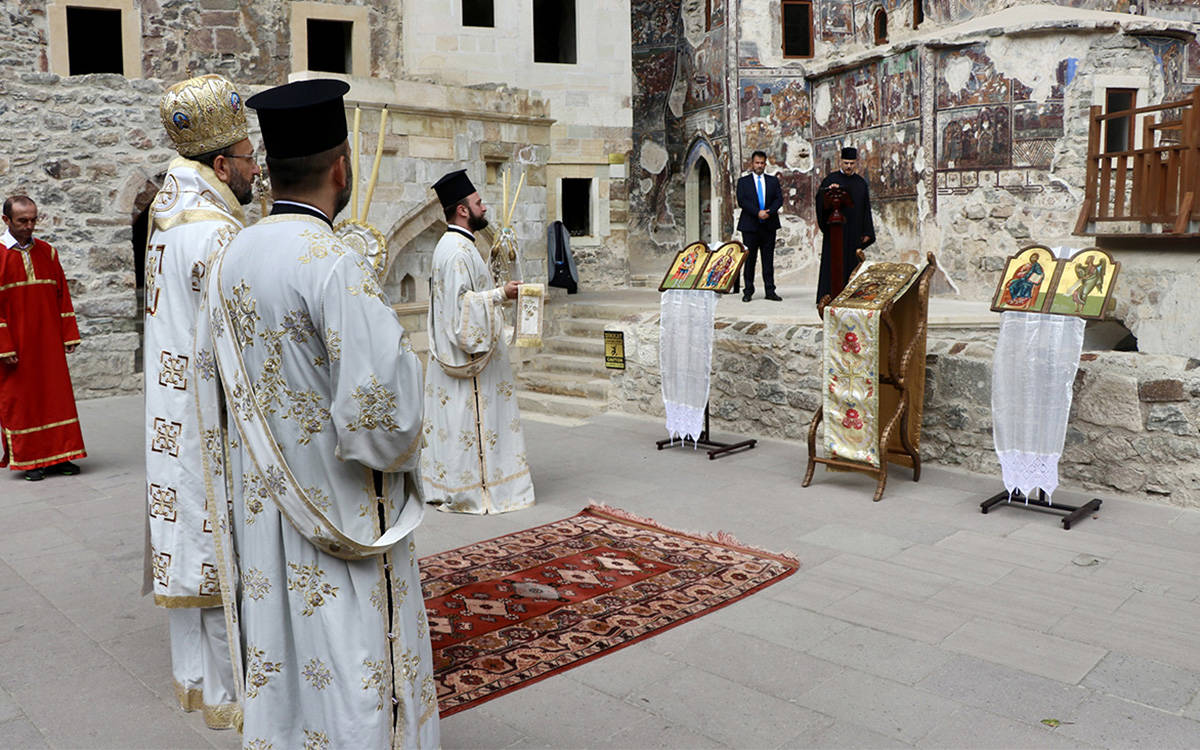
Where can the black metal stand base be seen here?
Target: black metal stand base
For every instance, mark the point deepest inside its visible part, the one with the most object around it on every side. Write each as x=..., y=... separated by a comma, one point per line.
x=715, y=449
x=1072, y=513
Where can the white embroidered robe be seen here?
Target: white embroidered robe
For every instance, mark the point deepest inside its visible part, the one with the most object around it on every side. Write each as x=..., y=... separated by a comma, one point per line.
x=326, y=664
x=193, y=217
x=474, y=459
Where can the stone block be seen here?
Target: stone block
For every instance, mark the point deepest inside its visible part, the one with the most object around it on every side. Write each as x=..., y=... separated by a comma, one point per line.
x=1108, y=399
x=430, y=148
x=1169, y=418
x=1168, y=389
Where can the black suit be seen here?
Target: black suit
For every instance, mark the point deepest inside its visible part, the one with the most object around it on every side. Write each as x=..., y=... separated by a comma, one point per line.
x=758, y=235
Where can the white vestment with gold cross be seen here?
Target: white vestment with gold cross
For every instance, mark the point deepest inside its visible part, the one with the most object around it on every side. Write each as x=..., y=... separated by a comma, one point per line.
x=193, y=218
x=336, y=651
x=474, y=460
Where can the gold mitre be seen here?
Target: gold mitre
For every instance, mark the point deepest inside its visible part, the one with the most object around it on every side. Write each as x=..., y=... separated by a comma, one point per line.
x=203, y=114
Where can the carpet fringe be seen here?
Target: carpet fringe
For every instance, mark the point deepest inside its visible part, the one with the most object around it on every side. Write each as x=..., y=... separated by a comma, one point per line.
x=716, y=537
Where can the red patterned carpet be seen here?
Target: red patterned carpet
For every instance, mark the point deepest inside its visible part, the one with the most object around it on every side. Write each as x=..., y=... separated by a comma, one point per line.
x=519, y=608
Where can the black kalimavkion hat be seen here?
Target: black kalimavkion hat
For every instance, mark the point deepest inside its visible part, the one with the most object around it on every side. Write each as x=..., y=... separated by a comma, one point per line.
x=301, y=118
x=849, y=152
x=453, y=187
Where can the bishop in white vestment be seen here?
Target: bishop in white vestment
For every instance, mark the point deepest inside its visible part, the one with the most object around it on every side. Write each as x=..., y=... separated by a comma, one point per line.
x=474, y=460
x=323, y=397
x=196, y=213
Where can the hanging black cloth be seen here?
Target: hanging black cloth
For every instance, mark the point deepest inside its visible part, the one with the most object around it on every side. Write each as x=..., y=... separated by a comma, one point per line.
x=560, y=264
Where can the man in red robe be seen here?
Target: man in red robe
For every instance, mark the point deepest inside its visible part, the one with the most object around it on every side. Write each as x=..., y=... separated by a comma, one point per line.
x=38, y=421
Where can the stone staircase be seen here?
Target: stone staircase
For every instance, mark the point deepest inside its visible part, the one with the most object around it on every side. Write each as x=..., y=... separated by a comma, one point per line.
x=566, y=379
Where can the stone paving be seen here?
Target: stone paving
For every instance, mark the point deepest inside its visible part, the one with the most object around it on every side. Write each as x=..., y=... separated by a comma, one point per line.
x=914, y=622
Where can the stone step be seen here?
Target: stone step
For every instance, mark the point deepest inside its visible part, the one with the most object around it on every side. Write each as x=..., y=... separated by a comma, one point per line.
x=565, y=384
x=586, y=327
x=568, y=407
x=586, y=346
x=556, y=312
x=566, y=363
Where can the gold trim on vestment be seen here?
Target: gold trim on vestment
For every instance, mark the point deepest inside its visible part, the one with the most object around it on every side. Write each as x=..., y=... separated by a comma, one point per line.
x=224, y=716
x=28, y=430
x=188, y=602
x=190, y=699
x=8, y=354
x=65, y=315
x=3, y=324
x=72, y=342
x=29, y=464
x=192, y=216
x=27, y=256
x=478, y=485
x=27, y=283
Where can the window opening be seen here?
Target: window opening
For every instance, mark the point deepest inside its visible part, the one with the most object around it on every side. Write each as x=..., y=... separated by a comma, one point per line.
x=577, y=205
x=94, y=41
x=797, y=28
x=918, y=13
x=881, y=26
x=329, y=45
x=554, y=31
x=479, y=13
x=1118, y=132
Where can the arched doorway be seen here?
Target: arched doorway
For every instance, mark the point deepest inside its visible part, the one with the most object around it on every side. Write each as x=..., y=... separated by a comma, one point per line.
x=702, y=199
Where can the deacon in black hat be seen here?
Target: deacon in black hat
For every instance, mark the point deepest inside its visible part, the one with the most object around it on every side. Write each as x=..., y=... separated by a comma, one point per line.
x=308, y=157
x=858, y=231
x=328, y=412
x=468, y=383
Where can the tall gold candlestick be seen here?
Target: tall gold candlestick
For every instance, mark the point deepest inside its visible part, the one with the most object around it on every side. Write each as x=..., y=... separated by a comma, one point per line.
x=383, y=116
x=354, y=154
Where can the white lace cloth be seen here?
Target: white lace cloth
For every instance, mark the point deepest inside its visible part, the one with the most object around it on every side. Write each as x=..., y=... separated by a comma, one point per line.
x=685, y=358
x=1032, y=374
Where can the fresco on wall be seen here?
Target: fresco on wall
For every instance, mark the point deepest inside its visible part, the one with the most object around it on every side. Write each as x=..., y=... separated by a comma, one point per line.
x=900, y=87
x=893, y=173
x=705, y=72
x=1032, y=120
x=887, y=158
x=797, y=190
x=854, y=100
x=1170, y=55
x=1192, y=71
x=784, y=100
x=974, y=137
x=653, y=24
x=1062, y=76
x=966, y=76
x=835, y=20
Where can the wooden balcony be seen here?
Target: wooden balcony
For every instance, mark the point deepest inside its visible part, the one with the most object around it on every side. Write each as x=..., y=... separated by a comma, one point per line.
x=1153, y=187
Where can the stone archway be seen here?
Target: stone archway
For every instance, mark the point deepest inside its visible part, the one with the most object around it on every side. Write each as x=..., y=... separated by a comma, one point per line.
x=134, y=199
x=702, y=199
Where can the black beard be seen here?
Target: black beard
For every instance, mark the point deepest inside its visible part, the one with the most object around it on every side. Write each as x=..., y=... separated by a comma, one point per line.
x=242, y=189
x=476, y=223
x=343, y=198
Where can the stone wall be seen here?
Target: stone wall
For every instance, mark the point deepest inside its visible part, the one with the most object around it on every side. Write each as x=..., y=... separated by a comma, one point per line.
x=1133, y=426
x=88, y=150
x=589, y=101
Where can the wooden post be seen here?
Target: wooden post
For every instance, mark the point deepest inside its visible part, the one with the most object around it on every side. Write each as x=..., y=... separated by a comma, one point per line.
x=1089, y=181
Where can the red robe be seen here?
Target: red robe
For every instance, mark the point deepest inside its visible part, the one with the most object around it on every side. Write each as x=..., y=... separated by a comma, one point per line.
x=38, y=421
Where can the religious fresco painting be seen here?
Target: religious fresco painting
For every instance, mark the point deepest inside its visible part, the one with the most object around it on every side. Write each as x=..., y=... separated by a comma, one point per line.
x=653, y=24
x=836, y=20
x=974, y=137
x=900, y=87
x=705, y=66
x=893, y=167
x=797, y=190
x=1192, y=71
x=854, y=100
x=1170, y=55
x=1085, y=284
x=1036, y=128
x=967, y=76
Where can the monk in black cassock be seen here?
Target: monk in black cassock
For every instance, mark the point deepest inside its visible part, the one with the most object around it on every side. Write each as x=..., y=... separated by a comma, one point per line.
x=859, y=229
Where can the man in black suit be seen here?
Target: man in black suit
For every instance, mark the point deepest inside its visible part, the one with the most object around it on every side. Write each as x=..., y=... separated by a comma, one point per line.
x=760, y=198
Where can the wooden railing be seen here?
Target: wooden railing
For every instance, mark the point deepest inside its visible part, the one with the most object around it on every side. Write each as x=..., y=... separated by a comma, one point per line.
x=1158, y=182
